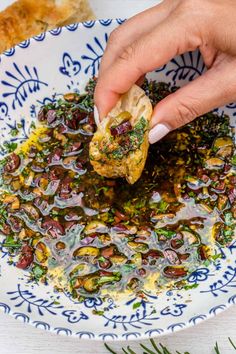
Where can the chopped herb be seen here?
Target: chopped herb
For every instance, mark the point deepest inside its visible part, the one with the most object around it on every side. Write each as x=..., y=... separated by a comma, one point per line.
x=56, y=302
x=162, y=206
x=191, y=286
x=25, y=172
x=38, y=271
x=136, y=305
x=14, y=132
x=10, y=146
x=233, y=160
x=3, y=163
x=33, y=125
x=216, y=256
x=11, y=242
x=127, y=268
x=191, y=194
x=98, y=312
x=166, y=233
x=229, y=220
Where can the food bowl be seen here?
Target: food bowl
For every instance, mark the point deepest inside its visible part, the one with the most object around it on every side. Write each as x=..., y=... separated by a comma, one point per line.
x=54, y=63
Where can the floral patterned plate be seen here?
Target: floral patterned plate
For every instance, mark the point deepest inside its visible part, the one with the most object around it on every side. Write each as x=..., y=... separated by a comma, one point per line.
x=56, y=62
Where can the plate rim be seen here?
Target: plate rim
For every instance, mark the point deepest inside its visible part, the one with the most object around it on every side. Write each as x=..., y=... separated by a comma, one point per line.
x=72, y=333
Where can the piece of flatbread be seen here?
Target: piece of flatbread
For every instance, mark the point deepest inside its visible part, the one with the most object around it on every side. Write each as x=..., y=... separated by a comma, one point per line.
x=110, y=155
x=27, y=18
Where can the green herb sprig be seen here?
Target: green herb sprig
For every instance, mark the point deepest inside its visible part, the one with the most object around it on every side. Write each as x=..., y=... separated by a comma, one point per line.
x=161, y=349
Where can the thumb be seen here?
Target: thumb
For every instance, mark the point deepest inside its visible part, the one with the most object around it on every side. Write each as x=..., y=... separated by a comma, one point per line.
x=213, y=89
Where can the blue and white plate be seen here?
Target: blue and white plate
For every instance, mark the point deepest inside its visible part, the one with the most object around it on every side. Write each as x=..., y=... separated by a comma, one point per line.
x=56, y=62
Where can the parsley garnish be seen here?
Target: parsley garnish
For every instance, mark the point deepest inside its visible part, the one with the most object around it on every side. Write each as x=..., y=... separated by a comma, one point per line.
x=10, y=146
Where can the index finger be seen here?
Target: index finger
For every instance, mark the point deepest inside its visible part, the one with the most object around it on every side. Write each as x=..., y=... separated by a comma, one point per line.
x=152, y=50
x=132, y=29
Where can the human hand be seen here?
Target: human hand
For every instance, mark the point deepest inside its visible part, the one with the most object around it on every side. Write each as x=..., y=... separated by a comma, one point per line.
x=152, y=38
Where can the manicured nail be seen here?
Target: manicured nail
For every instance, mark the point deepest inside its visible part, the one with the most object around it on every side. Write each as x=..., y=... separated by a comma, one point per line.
x=158, y=132
x=96, y=116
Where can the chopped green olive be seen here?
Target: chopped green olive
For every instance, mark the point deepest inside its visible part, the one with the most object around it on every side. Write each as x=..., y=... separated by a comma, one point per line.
x=38, y=271
x=86, y=252
x=138, y=246
x=118, y=259
x=214, y=163
x=166, y=233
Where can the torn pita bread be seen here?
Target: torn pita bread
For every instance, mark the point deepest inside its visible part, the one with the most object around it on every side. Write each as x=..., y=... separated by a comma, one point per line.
x=27, y=18
x=119, y=148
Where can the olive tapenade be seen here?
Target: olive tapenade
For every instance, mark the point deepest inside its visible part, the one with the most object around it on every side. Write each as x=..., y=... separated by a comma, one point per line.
x=65, y=224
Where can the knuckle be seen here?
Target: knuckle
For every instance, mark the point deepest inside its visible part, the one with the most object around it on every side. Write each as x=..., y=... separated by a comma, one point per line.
x=131, y=56
x=192, y=16
x=134, y=51
x=128, y=53
x=186, y=112
x=198, y=16
x=114, y=37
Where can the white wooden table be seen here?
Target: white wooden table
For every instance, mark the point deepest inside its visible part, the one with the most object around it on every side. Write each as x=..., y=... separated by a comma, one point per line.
x=19, y=338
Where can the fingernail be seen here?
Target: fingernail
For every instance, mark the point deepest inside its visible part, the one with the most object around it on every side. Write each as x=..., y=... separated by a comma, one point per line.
x=96, y=116
x=158, y=132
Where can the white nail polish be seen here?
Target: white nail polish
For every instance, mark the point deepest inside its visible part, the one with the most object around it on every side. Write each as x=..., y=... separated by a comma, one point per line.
x=96, y=116
x=158, y=132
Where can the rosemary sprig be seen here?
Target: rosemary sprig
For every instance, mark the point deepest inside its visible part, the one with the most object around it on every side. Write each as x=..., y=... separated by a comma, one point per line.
x=217, y=348
x=161, y=349
x=232, y=343
x=109, y=349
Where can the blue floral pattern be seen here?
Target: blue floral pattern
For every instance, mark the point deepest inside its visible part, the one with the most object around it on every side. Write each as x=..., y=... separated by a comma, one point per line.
x=74, y=317
x=176, y=310
x=20, y=83
x=96, y=51
x=187, y=67
x=32, y=303
x=225, y=284
x=200, y=274
x=70, y=67
x=76, y=56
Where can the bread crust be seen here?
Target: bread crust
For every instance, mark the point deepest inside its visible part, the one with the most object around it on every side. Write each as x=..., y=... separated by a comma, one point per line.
x=131, y=166
x=27, y=18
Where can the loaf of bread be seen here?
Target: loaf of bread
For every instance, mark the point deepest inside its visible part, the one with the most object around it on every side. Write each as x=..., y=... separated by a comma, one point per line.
x=27, y=18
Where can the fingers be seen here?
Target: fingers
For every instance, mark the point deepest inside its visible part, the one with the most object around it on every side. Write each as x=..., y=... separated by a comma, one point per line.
x=132, y=29
x=215, y=88
x=152, y=50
